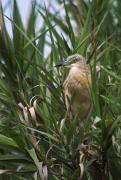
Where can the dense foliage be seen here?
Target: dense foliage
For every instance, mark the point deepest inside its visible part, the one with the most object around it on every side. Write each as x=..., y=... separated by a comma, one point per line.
x=36, y=139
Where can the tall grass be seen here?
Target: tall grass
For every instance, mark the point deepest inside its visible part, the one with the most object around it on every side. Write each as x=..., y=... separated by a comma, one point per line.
x=36, y=139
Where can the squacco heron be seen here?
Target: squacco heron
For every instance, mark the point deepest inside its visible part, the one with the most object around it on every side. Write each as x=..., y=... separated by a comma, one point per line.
x=77, y=87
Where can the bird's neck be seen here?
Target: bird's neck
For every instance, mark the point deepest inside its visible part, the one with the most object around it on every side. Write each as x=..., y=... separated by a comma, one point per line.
x=80, y=67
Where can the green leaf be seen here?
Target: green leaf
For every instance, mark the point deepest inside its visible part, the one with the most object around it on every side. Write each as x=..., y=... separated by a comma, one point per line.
x=6, y=141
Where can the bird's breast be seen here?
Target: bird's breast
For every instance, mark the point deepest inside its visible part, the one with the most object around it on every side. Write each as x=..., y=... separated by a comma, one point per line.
x=77, y=80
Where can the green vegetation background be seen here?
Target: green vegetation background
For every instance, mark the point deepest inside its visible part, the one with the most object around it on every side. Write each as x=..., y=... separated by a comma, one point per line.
x=36, y=139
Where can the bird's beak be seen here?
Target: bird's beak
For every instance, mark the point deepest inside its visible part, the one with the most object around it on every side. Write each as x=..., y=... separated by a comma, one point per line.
x=59, y=65
x=64, y=63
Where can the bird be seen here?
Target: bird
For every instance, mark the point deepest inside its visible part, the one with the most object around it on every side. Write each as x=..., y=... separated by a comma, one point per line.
x=76, y=87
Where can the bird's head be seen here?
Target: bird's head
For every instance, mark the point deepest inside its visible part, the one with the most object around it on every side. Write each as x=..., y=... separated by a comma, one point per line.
x=75, y=58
